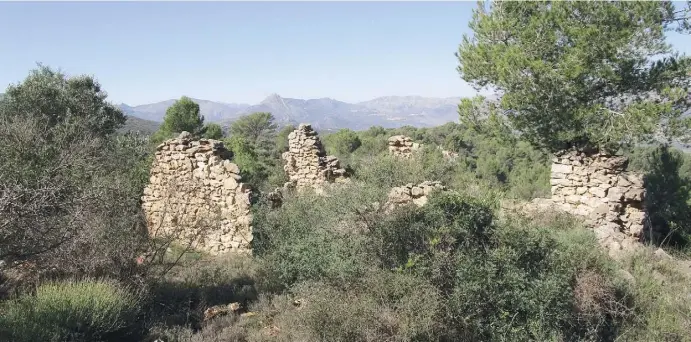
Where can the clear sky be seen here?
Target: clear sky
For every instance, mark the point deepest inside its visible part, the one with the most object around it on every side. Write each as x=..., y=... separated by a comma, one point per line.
x=143, y=52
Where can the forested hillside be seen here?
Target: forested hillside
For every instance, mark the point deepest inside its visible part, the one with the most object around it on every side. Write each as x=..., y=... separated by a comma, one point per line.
x=378, y=234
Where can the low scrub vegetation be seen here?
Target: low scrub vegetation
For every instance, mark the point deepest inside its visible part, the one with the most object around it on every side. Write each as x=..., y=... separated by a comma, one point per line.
x=85, y=310
x=77, y=262
x=328, y=267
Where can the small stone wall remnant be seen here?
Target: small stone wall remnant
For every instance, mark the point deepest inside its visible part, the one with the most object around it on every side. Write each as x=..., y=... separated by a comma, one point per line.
x=307, y=164
x=402, y=146
x=195, y=193
x=598, y=187
x=409, y=193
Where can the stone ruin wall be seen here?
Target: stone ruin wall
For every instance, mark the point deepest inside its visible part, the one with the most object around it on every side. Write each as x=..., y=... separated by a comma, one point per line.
x=306, y=163
x=194, y=188
x=412, y=194
x=597, y=187
x=402, y=146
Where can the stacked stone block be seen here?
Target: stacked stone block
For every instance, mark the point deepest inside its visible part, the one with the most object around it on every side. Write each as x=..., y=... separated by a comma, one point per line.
x=597, y=186
x=402, y=146
x=306, y=162
x=195, y=194
x=412, y=194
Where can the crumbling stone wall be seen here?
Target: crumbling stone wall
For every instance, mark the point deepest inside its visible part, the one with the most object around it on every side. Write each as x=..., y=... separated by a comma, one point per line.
x=307, y=165
x=402, y=146
x=409, y=193
x=195, y=194
x=597, y=187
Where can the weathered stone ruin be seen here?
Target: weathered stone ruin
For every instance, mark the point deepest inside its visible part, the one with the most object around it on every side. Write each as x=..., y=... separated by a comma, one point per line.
x=195, y=194
x=402, y=146
x=412, y=194
x=307, y=165
x=597, y=187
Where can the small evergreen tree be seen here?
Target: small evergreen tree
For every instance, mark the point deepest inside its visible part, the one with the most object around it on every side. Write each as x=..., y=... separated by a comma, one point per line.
x=581, y=74
x=213, y=131
x=257, y=129
x=182, y=116
x=343, y=142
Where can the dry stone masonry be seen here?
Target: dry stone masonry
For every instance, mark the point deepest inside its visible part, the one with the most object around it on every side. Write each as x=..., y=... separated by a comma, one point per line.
x=195, y=194
x=307, y=165
x=597, y=187
x=409, y=193
x=402, y=146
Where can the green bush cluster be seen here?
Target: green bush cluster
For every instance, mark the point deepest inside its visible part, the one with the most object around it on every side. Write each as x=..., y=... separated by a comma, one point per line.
x=335, y=267
x=667, y=173
x=505, y=164
x=86, y=310
x=481, y=279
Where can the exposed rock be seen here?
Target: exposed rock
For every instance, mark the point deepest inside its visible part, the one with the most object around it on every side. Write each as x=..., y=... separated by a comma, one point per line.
x=195, y=195
x=402, y=146
x=307, y=165
x=221, y=310
x=661, y=254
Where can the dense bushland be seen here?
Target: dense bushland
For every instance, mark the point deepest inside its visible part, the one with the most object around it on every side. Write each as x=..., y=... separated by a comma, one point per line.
x=325, y=268
x=336, y=268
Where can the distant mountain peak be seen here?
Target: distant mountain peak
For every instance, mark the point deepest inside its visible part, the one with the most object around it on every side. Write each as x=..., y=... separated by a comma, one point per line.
x=323, y=113
x=273, y=97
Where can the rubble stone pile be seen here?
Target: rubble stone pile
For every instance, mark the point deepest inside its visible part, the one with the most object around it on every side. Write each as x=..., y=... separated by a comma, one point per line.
x=402, y=146
x=195, y=194
x=306, y=162
x=412, y=194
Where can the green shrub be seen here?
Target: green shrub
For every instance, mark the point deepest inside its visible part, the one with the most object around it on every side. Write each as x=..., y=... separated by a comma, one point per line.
x=661, y=293
x=341, y=143
x=71, y=202
x=668, y=192
x=382, y=306
x=87, y=310
x=501, y=281
x=312, y=237
x=385, y=172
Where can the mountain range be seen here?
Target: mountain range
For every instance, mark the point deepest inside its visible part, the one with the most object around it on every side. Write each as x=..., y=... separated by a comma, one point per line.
x=323, y=113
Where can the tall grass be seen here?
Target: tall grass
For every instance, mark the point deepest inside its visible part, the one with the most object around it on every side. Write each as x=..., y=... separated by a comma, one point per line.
x=86, y=310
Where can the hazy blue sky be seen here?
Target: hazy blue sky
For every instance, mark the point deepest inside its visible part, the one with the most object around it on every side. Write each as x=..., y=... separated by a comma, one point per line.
x=144, y=52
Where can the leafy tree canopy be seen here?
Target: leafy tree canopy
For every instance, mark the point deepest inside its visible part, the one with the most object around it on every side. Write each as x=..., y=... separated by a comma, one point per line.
x=580, y=74
x=257, y=129
x=57, y=100
x=183, y=115
x=343, y=142
x=213, y=131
